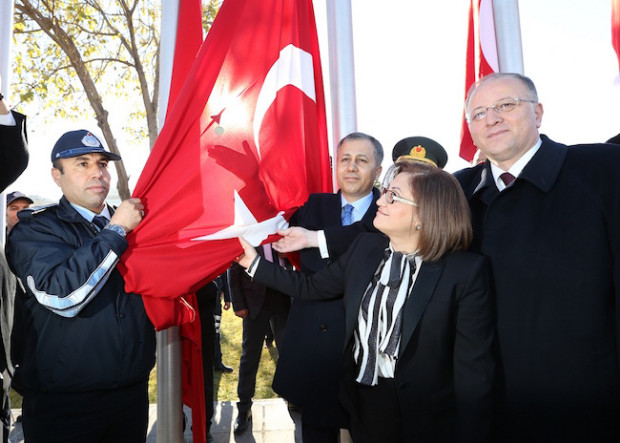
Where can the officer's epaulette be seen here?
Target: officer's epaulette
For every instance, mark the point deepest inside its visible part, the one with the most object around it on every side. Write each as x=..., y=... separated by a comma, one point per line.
x=39, y=209
x=33, y=211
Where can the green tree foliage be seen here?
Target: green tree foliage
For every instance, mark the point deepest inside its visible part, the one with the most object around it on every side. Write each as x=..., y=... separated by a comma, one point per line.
x=82, y=57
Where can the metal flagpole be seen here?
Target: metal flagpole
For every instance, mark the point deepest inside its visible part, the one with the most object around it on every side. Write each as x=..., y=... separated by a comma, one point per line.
x=167, y=42
x=341, y=69
x=508, y=35
x=169, y=398
x=6, y=38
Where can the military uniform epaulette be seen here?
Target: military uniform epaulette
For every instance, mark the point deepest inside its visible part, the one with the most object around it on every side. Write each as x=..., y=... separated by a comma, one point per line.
x=38, y=209
x=33, y=211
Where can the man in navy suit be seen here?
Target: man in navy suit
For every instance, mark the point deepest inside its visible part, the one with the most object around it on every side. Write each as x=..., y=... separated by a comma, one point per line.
x=309, y=366
x=548, y=216
x=261, y=308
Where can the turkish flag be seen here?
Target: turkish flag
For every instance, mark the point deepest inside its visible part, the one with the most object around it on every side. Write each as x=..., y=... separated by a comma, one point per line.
x=241, y=149
x=481, y=59
x=615, y=27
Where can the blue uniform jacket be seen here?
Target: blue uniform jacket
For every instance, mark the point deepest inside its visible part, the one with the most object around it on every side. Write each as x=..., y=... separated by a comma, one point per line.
x=80, y=330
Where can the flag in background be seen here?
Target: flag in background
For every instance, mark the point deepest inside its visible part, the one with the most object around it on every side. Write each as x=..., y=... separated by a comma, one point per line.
x=187, y=45
x=615, y=27
x=245, y=141
x=481, y=59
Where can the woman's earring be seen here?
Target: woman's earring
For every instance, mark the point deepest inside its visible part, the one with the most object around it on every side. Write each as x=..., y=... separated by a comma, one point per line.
x=418, y=227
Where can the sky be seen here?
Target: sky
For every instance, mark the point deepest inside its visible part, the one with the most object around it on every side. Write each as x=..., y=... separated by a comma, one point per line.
x=409, y=75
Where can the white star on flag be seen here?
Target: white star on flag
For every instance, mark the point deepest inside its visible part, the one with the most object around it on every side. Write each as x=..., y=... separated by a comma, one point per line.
x=246, y=225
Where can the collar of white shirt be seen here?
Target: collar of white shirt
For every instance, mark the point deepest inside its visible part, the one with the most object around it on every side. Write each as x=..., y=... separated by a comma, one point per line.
x=89, y=215
x=7, y=119
x=516, y=168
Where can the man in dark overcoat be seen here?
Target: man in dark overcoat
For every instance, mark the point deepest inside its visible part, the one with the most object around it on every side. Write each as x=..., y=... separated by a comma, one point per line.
x=548, y=216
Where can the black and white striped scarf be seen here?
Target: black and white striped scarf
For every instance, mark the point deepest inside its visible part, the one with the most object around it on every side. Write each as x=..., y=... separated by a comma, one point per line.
x=377, y=337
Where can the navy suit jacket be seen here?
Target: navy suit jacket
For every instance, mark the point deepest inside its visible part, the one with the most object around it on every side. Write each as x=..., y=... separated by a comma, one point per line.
x=308, y=370
x=250, y=295
x=554, y=242
x=445, y=370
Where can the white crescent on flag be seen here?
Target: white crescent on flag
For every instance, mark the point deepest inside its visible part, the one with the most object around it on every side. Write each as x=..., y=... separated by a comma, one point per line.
x=293, y=67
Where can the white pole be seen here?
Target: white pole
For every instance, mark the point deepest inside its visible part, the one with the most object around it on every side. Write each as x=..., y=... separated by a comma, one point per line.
x=6, y=41
x=341, y=69
x=167, y=41
x=508, y=35
x=169, y=395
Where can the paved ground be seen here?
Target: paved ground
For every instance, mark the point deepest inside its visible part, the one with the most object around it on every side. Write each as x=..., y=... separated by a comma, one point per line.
x=271, y=423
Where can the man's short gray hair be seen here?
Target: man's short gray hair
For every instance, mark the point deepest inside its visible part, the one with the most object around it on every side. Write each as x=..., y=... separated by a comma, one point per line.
x=529, y=84
x=378, y=148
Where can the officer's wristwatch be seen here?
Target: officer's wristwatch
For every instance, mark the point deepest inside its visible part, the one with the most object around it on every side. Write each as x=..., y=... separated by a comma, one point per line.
x=118, y=229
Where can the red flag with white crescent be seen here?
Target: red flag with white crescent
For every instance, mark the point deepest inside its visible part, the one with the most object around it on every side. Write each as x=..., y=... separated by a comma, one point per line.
x=241, y=149
x=481, y=59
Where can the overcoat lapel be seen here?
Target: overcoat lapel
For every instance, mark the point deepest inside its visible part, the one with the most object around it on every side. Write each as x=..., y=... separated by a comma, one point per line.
x=486, y=189
x=335, y=209
x=417, y=301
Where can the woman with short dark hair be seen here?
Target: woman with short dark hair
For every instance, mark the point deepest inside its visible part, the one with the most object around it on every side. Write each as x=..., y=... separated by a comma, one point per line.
x=418, y=365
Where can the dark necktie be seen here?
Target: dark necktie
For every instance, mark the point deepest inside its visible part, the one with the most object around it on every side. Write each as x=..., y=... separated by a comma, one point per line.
x=347, y=214
x=100, y=221
x=507, y=178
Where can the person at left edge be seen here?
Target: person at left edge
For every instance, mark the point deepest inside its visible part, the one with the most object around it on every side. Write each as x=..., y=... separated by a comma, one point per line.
x=88, y=346
x=13, y=161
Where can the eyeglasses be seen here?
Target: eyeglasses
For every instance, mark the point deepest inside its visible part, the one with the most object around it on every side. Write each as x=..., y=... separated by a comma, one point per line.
x=391, y=197
x=504, y=105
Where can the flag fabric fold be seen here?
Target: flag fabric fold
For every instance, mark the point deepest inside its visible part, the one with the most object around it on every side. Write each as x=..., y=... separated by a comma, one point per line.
x=481, y=60
x=249, y=121
x=187, y=44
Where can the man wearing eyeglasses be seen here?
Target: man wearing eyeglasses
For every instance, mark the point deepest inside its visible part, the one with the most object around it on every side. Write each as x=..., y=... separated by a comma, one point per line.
x=548, y=216
x=308, y=371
